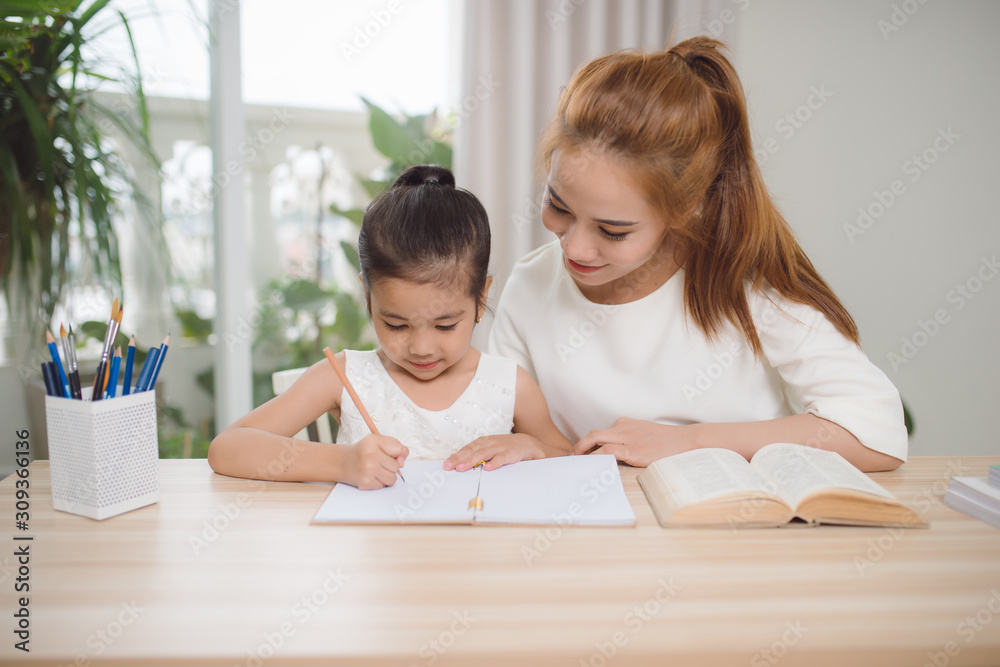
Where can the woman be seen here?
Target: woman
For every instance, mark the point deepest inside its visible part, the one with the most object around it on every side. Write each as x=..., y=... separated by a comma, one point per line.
x=676, y=310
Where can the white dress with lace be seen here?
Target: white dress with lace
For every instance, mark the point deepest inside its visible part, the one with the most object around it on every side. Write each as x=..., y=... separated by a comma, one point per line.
x=486, y=407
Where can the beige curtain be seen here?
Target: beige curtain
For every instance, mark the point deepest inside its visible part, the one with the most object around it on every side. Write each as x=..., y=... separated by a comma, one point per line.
x=516, y=57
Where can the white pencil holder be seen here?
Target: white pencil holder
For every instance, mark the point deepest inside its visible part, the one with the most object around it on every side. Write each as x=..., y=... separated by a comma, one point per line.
x=103, y=455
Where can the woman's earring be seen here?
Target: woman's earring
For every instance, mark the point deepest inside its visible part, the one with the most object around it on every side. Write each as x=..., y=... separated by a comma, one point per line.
x=479, y=318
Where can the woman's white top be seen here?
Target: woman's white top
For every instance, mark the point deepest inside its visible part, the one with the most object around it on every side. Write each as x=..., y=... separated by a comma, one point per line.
x=486, y=407
x=648, y=360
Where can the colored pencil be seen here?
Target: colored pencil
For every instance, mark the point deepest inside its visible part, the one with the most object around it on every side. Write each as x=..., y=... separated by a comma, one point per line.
x=147, y=370
x=129, y=359
x=72, y=367
x=159, y=361
x=116, y=363
x=61, y=374
x=48, y=371
x=354, y=396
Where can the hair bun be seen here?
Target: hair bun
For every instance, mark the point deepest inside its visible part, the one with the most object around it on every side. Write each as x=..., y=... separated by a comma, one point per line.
x=422, y=174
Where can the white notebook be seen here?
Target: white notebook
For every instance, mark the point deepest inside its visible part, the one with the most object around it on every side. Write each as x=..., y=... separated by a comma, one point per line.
x=566, y=490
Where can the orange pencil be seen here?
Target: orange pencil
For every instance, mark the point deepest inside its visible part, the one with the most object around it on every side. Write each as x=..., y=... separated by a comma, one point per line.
x=354, y=396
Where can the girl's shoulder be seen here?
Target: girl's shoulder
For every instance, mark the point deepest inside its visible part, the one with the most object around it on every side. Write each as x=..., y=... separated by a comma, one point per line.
x=497, y=371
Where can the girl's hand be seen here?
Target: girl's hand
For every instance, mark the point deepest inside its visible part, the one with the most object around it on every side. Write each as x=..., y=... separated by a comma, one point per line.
x=372, y=463
x=636, y=442
x=496, y=451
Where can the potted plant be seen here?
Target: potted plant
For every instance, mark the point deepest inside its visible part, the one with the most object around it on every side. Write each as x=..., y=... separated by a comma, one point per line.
x=62, y=184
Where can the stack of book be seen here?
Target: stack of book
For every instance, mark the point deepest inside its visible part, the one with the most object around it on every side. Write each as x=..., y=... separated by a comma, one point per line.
x=978, y=497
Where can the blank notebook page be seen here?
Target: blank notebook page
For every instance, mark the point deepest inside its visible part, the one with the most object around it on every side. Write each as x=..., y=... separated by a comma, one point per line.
x=429, y=495
x=566, y=490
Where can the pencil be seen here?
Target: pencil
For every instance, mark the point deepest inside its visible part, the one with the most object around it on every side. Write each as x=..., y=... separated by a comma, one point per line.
x=60, y=374
x=354, y=396
x=129, y=360
x=48, y=372
x=72, y=367
x=116, y=325
x=159, y=362
x=116, y=363
x=104, y=385
x=142, y=384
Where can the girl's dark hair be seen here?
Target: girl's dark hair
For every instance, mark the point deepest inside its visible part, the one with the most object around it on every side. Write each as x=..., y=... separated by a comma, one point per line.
x=426, y=230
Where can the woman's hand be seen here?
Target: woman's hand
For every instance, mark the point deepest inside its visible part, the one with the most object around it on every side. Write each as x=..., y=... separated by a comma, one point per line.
x=496, y=451
x=372, y=463
x=636, y=442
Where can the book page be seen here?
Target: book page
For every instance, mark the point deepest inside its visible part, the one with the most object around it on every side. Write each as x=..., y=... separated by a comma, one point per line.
x=429, y=495
x=797, y=471
x=703, y=474
x=566, y=490
x=977, y=488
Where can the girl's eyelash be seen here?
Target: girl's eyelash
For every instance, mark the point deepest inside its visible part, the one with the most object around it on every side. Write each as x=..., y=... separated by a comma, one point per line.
x=400, y=327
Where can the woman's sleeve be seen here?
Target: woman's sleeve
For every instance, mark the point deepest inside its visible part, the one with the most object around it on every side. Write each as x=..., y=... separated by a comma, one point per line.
x=506, y=338
x=828, y=375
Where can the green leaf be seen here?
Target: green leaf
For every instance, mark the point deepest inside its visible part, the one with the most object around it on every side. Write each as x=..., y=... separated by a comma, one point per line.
x=94, y=330
x=908, y=421
x=373, y=188
x=441, y=154
x=140, y=95
x=389, y=137
x=418, y=124
x=194, y=326
x=38, y=125
x=206, y=380
x=306, y=295
x=97, y=331
x=32, y=8
x=355, y=215
x=351, y=253
x=350, y=322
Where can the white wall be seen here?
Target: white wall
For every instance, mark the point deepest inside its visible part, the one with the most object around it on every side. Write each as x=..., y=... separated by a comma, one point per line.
x=881, y=96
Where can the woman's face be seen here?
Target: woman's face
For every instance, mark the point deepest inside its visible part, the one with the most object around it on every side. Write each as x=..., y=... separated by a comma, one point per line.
x=613, y=242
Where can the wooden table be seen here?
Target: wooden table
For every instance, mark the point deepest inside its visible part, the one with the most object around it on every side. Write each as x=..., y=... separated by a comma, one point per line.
x=229, y=572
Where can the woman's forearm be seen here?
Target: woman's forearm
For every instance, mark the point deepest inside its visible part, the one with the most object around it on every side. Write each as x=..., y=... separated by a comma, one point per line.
x=805, y=429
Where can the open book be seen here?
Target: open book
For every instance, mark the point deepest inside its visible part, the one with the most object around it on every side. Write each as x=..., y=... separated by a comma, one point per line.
x=567, y=490
x=717, y=487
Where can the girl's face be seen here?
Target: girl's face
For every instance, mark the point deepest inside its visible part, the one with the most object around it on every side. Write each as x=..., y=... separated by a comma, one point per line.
x=613, y=242
x=423, y=328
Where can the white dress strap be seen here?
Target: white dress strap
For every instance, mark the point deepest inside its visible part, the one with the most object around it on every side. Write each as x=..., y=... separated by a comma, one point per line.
x=486, y=407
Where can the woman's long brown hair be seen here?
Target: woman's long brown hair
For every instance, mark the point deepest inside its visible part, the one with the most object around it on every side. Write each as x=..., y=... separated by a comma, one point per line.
x=678, y=122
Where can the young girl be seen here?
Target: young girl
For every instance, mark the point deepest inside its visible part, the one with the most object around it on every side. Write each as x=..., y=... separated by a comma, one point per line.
x=424, y=249
x=675, y=310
